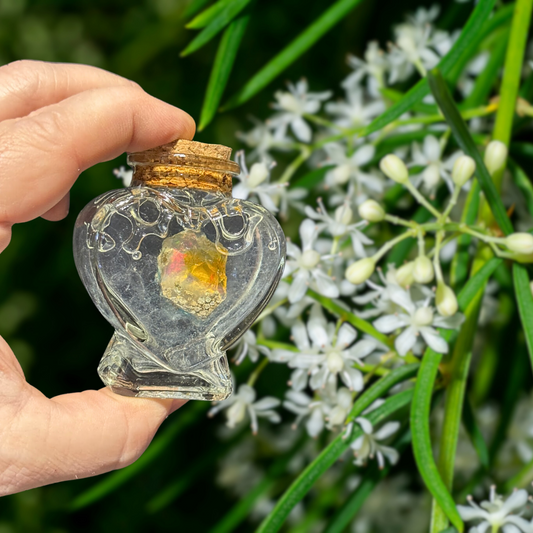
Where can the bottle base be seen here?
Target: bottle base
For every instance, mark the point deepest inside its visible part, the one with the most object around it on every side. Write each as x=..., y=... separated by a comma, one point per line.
x=128, y=373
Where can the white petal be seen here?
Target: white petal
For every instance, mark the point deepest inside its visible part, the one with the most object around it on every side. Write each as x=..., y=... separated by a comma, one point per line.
x=267, y=201
x=405, y=341
x=293, y=250
x=281, y=356
x=515, y=501
x=468, y=512
x=346, y=335
x=315, y=424
x=388, y=323
x=387, y=430
x=268, y=402
x=365, y=424
x=318, y=379
x=301, y=129
x=298, y=286
x=431, y=148
x=363, y=348
x=364, y=154
x=353, y=379
x=299, y=398
x=299, y=335
x=402, y=298
x=317, y=333
x=299, y=379
x=390, y=453
x=450, y=322
x=517, y=524
x=324, y=284
x=434, y=340
x=308, y=233
x=240, y=191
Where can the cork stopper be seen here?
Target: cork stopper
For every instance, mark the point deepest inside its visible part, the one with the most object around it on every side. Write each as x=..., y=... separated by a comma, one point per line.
x=185, y=164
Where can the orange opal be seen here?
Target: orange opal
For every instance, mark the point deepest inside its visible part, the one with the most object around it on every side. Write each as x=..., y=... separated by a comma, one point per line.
x=192, y=272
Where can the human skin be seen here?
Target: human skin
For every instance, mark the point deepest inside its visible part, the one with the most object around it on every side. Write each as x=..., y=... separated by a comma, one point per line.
x=56, y=120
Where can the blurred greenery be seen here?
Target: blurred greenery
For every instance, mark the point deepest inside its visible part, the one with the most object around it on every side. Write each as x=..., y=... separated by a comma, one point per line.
x=45, y=312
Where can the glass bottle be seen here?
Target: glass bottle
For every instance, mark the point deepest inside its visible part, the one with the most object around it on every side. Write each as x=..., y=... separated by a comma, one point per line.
x=179, y=268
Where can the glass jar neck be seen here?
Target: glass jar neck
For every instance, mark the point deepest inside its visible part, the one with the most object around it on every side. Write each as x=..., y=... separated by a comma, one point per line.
x=155, y=168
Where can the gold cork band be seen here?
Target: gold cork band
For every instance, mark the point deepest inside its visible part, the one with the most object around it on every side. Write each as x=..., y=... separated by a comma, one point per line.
x=185, y=164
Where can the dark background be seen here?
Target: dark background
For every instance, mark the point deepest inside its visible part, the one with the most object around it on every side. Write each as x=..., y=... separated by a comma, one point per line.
x=45, y=313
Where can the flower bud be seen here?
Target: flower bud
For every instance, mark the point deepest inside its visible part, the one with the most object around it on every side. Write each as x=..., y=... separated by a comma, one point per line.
x=423, y=269
x=404, y=275
x=370, y=210
x=463, y=169
x=495, y=156
x=393, y=167
x=360, y=271
x=446, y=300
x=521, y=243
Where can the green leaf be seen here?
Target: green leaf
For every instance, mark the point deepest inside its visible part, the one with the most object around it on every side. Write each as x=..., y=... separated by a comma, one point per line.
x=423, y=453
x=226, y=15
x=207, y=15
x=111, y=482
x=293, y=51
x=476, y=437
x=341, y=312
x=466, y=143
x=465, y=45
x=373, y=475
x=477, y=282
x=524, y=298
x=224, y=60
x=194, y=7
x=301, y=486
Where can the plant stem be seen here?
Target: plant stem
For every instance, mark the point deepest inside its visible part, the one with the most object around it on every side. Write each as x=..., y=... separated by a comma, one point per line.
x=511, y=76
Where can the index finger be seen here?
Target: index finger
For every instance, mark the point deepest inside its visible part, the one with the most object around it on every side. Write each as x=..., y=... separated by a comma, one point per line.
x=28, y=85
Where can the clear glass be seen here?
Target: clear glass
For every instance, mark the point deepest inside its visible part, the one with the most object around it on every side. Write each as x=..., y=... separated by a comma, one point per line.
x=181, y=274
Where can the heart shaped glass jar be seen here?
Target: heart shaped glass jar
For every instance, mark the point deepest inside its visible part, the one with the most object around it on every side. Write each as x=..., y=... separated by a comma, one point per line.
x=179, y=268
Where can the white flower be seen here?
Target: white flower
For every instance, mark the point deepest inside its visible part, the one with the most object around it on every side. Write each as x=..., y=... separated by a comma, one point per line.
x=248, y=347
x=340, y=225
x=124, y=174
x=366, y=446
x=497, y=513
x=304, y=266
x=417, y=319
x=292, y=106
x=415, y=46
x=430, y=157
x=348, y=168
x=327, y=355
x=255, y=182
x=374, y=66
x=354, y=112
x=284, y=197
x=243, y=402
x=262, y=140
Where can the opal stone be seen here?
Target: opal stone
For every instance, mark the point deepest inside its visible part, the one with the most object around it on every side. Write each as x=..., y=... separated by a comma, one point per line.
x=192, y=272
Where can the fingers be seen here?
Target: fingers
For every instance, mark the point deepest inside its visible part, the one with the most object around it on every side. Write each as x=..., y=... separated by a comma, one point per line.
x=75, y=436
x=59, y=211
x=41, y=155
x=29, y=85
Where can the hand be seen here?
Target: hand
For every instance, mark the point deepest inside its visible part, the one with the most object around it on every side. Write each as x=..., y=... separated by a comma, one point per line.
x=56, y=120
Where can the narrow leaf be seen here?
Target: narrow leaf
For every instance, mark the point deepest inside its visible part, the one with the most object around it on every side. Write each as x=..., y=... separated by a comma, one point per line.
x=466, y=143
x=194, y=7
x=423, y=453
x=305, y=481
x=523, y=183
x=476, y=282
x=224, y=60
x=207, y=15
x=226, y=15
x=293, y=51
x=524, y=299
